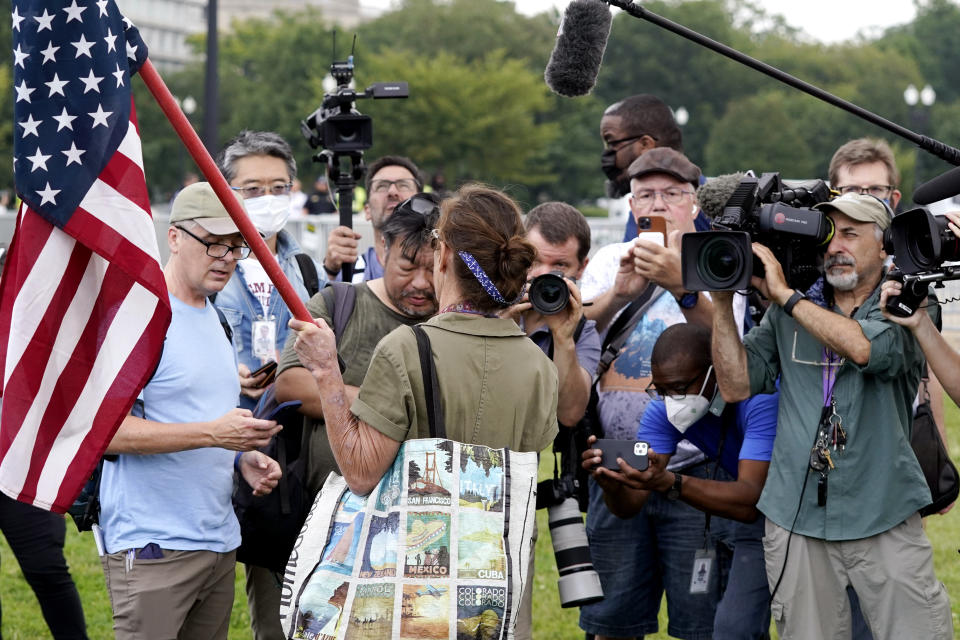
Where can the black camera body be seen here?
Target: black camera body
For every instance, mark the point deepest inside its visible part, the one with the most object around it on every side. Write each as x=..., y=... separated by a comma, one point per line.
x=548, y=293
x=920, y=243
x=771, y=212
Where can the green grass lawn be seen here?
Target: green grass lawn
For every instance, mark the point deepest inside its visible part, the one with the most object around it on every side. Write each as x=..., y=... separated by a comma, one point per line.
x=22, y=619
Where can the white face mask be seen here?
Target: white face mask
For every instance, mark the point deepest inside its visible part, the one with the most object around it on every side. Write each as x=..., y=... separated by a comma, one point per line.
x=686, y=411
x=268, y=213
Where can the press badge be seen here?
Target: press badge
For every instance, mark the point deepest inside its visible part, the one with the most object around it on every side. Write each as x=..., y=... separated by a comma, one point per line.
x=262, y=340
x=702, y=566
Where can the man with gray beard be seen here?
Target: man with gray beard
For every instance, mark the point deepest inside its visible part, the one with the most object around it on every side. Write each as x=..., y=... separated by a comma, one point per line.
x=844, y=487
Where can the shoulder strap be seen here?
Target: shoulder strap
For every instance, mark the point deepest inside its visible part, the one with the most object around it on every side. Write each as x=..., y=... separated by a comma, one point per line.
x=308, y=269
x=227, y=329
x=339, y=298
x=622, y=327
x=430, y=385
x=576, y=335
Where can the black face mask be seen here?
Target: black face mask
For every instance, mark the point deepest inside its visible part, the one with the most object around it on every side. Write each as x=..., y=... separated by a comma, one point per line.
x=615, y=187
x=608, y=164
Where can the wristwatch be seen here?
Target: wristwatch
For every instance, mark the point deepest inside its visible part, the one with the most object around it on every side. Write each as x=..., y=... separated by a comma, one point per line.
x=673, y=493
x=688, y=300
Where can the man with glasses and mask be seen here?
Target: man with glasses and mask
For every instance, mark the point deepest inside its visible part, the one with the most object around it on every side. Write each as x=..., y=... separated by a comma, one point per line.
x=629, y=128
x=389, y=181
x=260, y=167
x=844, y=486
x=738, y=437
x=169, y=530
x=653, y=553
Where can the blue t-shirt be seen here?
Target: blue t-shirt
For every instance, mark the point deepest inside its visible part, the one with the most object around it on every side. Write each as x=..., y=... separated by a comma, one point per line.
x=752, y=439
x=179, y=500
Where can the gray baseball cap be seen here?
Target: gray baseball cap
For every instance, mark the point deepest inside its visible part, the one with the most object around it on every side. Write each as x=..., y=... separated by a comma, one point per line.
x=199, y=202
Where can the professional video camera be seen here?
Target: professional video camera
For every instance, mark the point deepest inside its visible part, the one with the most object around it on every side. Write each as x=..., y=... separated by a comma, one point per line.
x=765, y=210
x=920, y=243
x=340, y=131
x=337, y=126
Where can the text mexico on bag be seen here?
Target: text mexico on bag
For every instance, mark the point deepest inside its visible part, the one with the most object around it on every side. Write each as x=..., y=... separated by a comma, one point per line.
x=439, y=549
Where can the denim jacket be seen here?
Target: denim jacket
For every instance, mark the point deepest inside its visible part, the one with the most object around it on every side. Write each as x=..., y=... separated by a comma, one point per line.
x=241, y=307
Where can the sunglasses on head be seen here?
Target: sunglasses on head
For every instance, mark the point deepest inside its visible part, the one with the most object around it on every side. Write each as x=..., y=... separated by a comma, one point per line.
x=421, y=204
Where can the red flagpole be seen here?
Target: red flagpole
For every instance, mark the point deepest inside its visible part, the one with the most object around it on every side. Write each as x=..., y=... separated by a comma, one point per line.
x=209, y=168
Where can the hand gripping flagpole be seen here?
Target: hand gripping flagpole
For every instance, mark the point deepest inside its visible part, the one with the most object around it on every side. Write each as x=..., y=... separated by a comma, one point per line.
x=210, y=171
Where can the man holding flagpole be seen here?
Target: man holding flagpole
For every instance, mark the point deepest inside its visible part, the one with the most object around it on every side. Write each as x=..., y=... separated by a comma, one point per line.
x=169, y=530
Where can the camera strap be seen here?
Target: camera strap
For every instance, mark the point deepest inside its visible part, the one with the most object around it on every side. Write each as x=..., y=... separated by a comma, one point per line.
x=623, y=326
x=704, y=557
x=576, y=335
x=727, y=417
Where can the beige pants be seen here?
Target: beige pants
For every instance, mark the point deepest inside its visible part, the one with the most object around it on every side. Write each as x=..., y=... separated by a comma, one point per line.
x=892, y=573
x=263, y=600
x=185, y=595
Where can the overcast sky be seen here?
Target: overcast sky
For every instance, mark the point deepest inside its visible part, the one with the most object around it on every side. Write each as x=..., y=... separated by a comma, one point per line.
x=828, y=21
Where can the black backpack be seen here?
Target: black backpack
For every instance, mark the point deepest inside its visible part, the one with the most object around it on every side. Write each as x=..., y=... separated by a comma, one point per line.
x=938, y=470
x=270, y=524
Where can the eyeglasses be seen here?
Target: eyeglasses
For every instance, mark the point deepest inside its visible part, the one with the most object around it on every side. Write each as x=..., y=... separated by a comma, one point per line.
x=838, y=362
x=420, y=204
x=404, y=185
x=657, y=393
x=881, y=191
x=618, y=144
x=645, y=197
x=255, y=191
x=218, y=250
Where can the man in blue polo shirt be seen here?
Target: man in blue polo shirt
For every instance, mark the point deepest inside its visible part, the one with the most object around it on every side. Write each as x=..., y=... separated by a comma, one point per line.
x=740, y=436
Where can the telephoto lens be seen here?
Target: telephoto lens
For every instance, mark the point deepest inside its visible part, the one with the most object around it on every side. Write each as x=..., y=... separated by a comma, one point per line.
x=548, y=293
x=579, y=583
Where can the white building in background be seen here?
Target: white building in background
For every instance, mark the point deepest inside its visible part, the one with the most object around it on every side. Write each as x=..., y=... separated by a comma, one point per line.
x=343, y=13
x=166, y=24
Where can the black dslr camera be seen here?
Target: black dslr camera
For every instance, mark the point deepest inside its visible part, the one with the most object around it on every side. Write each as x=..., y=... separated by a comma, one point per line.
x=548, y=293
x=920, y=243
x=765, y=210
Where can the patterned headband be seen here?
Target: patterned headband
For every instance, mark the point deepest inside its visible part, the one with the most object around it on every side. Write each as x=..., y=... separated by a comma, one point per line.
x=485, y=280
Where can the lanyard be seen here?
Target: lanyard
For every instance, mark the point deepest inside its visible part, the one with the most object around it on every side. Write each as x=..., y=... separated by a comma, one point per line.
x=829, y=374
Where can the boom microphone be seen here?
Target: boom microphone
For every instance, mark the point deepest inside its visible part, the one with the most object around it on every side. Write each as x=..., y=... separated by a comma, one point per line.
x=575, y=61
x=944, y=186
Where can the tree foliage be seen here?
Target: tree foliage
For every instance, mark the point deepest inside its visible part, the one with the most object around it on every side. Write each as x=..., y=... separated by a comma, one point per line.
x=479, y=110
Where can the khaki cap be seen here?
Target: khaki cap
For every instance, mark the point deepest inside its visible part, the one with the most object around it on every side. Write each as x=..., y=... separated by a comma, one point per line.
x=199, y=202
x=861, y=207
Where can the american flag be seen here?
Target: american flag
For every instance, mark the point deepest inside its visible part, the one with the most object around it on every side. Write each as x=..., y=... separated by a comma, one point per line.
x=83, y=303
